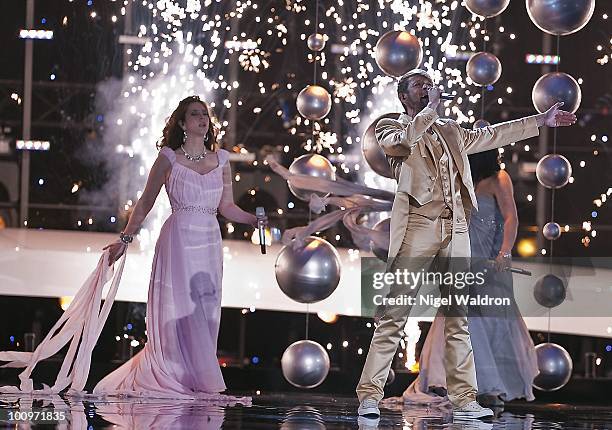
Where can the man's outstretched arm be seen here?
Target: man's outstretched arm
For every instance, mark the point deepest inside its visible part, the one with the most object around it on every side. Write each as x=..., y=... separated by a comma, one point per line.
x=505, y=133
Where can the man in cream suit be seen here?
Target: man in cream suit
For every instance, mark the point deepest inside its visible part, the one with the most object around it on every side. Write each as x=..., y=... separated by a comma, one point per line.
x=429, y=219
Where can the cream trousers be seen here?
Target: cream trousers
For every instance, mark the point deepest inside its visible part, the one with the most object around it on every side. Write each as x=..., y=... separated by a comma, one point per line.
x=425, y=240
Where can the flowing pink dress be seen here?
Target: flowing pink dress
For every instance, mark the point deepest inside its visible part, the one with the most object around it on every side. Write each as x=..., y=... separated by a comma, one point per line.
x=184, y=304
x=183, y=309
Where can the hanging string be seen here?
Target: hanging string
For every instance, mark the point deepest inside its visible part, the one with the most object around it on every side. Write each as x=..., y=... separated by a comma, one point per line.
x=484, y=39
x=307, y=318
x=549, y=309
x=554, y=151
x=548, y=334
x=314, y=72
x=482, y=90
x=552, y=199
x=314, y=81
x=557, y=70
x=316, y=30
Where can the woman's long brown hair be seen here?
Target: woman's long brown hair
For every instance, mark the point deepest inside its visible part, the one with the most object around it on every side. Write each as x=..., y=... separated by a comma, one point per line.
x=172, y=136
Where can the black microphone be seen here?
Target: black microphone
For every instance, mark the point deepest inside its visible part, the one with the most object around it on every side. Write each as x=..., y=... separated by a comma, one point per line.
x=516, y=270
x=260, y=213
x=519, y=271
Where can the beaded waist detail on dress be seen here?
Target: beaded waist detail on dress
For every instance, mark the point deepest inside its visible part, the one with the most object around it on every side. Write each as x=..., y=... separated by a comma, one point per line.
x=200, y=209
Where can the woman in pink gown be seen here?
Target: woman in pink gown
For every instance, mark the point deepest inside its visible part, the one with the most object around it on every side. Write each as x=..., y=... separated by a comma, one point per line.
x=184, y=301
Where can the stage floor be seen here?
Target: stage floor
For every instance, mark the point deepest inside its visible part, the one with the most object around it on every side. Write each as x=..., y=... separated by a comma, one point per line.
x=284, y=411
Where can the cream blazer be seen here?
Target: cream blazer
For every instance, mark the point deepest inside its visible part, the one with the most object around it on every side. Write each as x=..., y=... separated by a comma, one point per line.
x=403, y=141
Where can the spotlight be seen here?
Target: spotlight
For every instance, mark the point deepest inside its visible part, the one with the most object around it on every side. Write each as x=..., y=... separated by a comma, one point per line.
x=542, y=59
x=35, y=34
x=33, y=145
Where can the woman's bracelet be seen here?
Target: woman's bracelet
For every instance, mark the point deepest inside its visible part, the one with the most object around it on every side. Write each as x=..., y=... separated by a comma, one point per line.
x=505, y=254
x=126, y=238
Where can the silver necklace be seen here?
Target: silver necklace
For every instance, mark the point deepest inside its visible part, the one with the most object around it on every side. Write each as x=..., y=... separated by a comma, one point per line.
x=196, y=157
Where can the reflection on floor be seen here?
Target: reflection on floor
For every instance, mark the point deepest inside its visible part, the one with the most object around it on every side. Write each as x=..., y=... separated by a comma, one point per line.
x=284, y=411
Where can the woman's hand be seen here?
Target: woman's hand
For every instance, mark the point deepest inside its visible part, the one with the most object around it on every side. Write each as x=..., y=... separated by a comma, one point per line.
x=257, y=220
x=263, y=220
x=503, y=261
x=115, y=251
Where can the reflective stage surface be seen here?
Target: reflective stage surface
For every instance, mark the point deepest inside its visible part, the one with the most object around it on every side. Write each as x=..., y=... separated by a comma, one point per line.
x=284, y=411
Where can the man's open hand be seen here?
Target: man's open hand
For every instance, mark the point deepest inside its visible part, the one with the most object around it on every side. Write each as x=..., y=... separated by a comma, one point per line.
x=554, y=117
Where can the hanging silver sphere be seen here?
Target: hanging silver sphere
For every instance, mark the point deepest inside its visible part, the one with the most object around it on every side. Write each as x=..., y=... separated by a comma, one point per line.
x=560, y=17
x=309, y=273
x=398, y=52
x=390, y=377
x=487, y=8
x=549, y=291
x=305, y=364
x=555, y=365
x=484, y=68
x=551, y=231
x=314, y=102
x=314, y=165
x=316, y=42
x=385, y=227
x=372, y=152
x=553, y=171
x=480, y=123
x=556, y=87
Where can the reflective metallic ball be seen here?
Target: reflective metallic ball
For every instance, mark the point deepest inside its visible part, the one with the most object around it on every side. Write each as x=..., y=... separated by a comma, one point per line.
x=316, y=42
x=483, y=68
x=549, y=291
x=555, y=366
x=372, y=152
x=314, y=165
x=309, y=273
x=556, y=87
x=480, y=123
x=551, y=231
x=390, y=377
x=314, y=102
x=560, y=17
x=305, y=364
x=487, y=8
x=398, y=52
x=553, y=171
x=382, y=226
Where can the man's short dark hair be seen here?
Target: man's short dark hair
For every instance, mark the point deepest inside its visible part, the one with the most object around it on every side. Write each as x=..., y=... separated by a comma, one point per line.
x=402, y=83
